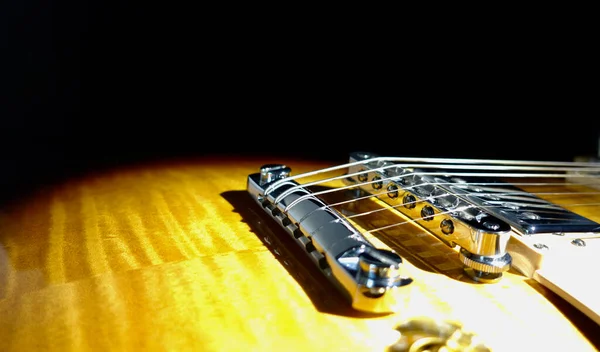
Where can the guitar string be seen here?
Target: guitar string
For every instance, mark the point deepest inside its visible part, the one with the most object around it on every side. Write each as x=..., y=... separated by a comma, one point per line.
x=548, y=205
x=552, y=204
x=434, y=166
x=542, y=204
x=392, y=178
x=385, y=192
x=424, y=161
x=337, y=189
x=415, y=220
x=439, y=160
x=429, y=166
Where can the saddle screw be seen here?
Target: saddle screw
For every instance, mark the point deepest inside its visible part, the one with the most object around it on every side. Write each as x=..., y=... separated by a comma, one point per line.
x=447, y=226
x=379, y=184
x=427, y=213
x=578, y=242
x=409, y=201
x=392, y=191
x=363, y=176
x=540, y=246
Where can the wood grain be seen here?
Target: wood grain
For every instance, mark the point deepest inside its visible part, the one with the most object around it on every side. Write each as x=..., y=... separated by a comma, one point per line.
x=172, y=257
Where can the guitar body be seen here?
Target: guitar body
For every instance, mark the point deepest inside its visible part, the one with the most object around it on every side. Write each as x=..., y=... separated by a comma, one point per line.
x=177, y=257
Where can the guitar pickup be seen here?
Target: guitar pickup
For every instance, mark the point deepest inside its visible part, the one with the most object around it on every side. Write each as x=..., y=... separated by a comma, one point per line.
x=371, y=278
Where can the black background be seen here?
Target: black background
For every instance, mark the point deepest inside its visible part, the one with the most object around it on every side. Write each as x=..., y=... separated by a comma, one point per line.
x=90, y=85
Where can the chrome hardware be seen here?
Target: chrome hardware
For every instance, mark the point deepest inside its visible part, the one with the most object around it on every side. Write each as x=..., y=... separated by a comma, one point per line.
x=484, y=268
x=456, y=221
x=371, y=278
x=272, y=172
x=427, y=334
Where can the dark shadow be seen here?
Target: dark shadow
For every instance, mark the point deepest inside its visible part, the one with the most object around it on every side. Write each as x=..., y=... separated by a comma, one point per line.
x=414, y=244
x=323, y=294
x=320, y=290
x=326, y=298
x=588, y=327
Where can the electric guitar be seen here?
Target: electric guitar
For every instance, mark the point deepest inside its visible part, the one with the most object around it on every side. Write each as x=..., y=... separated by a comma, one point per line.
x=370, y=254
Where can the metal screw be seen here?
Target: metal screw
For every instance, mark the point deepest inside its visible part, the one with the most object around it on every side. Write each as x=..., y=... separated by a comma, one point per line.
x=392, y=191
x=409, y=201
x=540, y=246
x=427, y=213
x=578, y=242
x=491, y=225
x=377, y=185
x=363, y=176
x=447, y=226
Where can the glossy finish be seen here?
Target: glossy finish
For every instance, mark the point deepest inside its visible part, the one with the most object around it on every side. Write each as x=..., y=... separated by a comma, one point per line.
x=175, y=257
x=370, y=278
x=482, y=237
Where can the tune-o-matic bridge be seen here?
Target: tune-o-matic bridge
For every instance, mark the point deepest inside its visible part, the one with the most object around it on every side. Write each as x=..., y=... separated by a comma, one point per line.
x=370, y=277
x=462, y=204
x=427, y=200
x=538, y=217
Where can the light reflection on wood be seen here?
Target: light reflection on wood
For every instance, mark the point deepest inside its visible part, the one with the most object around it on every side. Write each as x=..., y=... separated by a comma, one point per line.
x=164, y=257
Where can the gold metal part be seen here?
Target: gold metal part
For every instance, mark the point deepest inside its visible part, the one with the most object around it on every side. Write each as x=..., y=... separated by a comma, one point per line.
x=427, y=334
